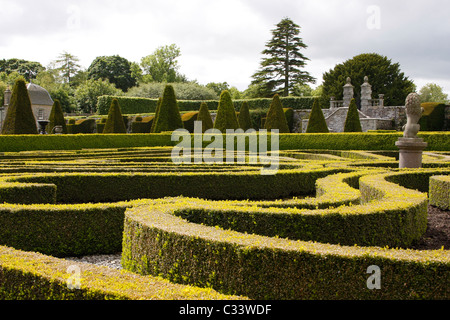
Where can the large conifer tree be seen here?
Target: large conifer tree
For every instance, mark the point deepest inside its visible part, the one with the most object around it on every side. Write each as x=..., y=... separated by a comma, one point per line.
x=281, y=70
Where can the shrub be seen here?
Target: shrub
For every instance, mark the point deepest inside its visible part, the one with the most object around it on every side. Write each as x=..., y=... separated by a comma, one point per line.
x=352, y=123
x=245, y=122
x=115, y=122
x=205, y=117
x=168, y=118
x=275, y=116
x=158, y=107
x=289, y=114
x=433, y=118
x=317, y=123
x=56, y=118
x=81, y=126
x=440, y=192
x=189, y=119
x=226, y=115
x=142, y=125
x=19, y=116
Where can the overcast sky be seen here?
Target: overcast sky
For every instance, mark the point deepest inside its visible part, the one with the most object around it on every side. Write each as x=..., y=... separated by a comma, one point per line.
x=222, y=40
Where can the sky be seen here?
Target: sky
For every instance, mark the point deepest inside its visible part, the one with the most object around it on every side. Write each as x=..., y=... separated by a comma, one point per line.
x=222, y=40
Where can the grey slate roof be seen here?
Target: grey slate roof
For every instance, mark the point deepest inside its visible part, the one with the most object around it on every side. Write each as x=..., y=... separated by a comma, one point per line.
x=38, y=95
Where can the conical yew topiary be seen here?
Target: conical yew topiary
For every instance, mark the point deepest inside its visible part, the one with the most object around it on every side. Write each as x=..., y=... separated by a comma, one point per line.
x=169, y=118
x=245, y=122
x=316, y=123
x=56, y=118
x=275, y=116
x=352, y=122
x=115, y=123
x=19, y=116
x=158, y=106
x=226, y=115
x=205, y=117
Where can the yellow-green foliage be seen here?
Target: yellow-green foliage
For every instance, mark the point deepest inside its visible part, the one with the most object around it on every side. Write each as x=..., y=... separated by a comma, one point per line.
x=440, y=192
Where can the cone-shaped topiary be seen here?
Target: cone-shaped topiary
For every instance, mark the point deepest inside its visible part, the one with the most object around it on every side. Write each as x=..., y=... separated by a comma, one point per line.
x=245, y=122
x=169, y=118
x=115, y=123
x=226, y=115
x=352, y=123
x=19, y=116
x=158, y=106
x=56, y=118
x=275, y=117
x=205, y=117
x=316, y=123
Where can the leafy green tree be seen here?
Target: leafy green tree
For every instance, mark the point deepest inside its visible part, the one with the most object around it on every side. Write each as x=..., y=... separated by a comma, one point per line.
x=169, y=118
x=86, y=95
x=56, y=118
x=432, y=92
x=115, y=123
x=275, y=116
x=245, y=122
x=115, y=69
x=384, y=76
x=218, y=87
x=205, y=117
x=27, y=69
x=226, y=115
x=19, y=116
x=67, y=65
x=352, y=122
x=281, y=70
x=162, y=65
x=184, y=90
x=317, y=123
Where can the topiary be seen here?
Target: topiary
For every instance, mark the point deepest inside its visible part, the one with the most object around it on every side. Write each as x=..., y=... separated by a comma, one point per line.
x=317, y=123
x=115, y=123
x=168, y=116
x=205, y=117
x=56, y=118
x=352, y=122
x=158, y=106
x=19, y=116
x=275, y=116
x=245, y=122
x=226, y=115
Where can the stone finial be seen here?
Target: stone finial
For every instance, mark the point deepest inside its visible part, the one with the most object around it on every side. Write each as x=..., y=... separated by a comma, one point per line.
x=348, y=92
x=413, y=113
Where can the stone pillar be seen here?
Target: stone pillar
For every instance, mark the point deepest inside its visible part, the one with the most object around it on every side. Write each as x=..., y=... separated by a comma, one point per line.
x=7, y=96
x=348, y=93
x=366, y=95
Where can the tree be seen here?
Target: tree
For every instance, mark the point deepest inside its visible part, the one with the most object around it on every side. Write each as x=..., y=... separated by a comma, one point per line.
x=19, y=116
x=282, y=69
x=169, y=118
x=431, y=92
x=245, y=122
x=56, y=118
x=384, y=76
x=205, y=117
x=226, y=115
x=218, y=87
x=162, y=65
x=352, y=122
x=67, y=65
x=25, y=68
x=87, y=94
x=317, y=123
x=275, y=116
x=115, y=69
x=115, y=123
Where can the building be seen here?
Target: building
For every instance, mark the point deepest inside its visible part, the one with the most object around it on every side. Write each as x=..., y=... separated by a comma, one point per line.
x=41, y=103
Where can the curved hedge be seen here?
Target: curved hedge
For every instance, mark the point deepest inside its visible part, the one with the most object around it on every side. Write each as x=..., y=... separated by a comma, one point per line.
x=440, y=192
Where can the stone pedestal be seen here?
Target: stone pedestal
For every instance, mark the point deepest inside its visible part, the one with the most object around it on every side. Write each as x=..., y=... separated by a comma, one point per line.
x=411, y=150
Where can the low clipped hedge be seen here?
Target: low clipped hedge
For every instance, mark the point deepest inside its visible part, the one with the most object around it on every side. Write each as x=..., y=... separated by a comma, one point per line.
x=440, y=192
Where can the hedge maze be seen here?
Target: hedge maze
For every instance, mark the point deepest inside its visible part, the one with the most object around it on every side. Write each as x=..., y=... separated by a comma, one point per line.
x=314, y=230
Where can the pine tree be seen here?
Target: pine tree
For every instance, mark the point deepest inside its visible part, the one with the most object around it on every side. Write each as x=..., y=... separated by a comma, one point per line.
x=352, y=122
x=275, y=116
x=205, y=117
x=56, y=118
x=115, y=123
x=226, y=115
x=316, y=123
x=245, y=122
x=19, y=116
x=169, y=118
x=282, y=70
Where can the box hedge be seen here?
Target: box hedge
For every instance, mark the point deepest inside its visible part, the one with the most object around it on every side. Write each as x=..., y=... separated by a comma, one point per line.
x=440, y=192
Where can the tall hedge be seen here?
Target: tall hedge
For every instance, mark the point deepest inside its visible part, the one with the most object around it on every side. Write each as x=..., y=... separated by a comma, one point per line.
x=275, y=116
x=115, y=122
x=352, y=123
x=317, y=123
x=245, y=122
x=226, y=115
x=56, y=118
x=19, y=117
x=168, y=118
x=205, y=117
